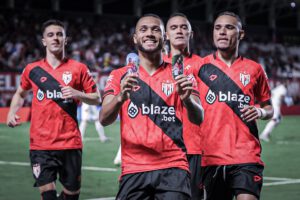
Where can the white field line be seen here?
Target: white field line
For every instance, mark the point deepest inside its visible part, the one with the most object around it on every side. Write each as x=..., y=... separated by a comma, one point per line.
x=84, y=167
x=87, y=139
x=277, y=180
x=294, y=181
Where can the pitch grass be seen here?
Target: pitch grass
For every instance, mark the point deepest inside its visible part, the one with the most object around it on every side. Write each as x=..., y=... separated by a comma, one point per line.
x=281, y=157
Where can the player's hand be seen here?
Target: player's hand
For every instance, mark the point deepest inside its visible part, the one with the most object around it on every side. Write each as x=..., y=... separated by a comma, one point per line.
x=69, y=92
x=127, y=85
x=184, y=87
x=250, y=113
x=13, y=120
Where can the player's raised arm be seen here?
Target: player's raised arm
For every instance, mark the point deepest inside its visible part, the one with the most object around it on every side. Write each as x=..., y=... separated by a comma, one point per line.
x=16, y=103
x=115, y=95
x=190, y=101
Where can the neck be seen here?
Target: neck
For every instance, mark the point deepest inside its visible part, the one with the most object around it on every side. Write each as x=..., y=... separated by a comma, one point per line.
x=150, y=61
x=228, y=57
x=54, y=59
x=183, y=51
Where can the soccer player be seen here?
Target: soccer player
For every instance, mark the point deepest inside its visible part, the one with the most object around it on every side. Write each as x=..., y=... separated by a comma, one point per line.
x=230, y=85
x=179, y=34
x=279, y=94
x=154, y=164
x=58, y=84
x=91, y=113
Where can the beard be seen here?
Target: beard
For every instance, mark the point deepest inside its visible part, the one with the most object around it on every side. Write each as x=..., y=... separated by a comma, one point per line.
x=140, y=47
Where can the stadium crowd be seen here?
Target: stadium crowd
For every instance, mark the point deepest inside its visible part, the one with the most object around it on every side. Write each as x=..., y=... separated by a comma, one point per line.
x=103, y=43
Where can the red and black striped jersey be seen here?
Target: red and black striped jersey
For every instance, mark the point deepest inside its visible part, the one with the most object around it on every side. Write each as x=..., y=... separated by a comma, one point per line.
x=54, y=123
x=151, y=121
x=224, y=91
x=191, y=131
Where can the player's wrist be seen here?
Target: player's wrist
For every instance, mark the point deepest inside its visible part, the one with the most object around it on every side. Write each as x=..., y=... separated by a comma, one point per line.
x=120, y=98
x=262, y=113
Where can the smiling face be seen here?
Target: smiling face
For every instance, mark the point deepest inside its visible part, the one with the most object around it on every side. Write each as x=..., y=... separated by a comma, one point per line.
x=54, y=39
x=227, y=33
x=149, y=34
x=179, y=32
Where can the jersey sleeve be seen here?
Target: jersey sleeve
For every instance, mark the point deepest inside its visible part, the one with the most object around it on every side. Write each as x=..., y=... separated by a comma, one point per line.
x=262, y=90
x=113, y=84
x=25, y=82
x=88, y=83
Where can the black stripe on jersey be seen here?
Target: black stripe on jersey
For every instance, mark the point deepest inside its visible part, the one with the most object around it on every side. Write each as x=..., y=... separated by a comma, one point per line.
x=52, y=84
x=145, y=95
x=224, y=84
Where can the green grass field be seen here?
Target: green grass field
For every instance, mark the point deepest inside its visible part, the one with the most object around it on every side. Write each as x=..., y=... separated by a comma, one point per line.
x=281, y=156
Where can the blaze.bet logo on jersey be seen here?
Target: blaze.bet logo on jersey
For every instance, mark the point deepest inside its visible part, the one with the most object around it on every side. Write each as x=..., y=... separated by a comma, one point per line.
x=228, y=96
x=167, y=112
x=40, y=95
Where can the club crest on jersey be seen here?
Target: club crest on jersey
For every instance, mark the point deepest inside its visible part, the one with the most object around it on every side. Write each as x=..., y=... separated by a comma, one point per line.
x=167, y=87
x=36, y=169
x=67, y=77
x=245, y=78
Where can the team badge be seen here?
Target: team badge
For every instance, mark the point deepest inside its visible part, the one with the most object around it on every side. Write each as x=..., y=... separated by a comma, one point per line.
x=36, y=168
x=167, y=87
x=245, y=78
x=67, y=77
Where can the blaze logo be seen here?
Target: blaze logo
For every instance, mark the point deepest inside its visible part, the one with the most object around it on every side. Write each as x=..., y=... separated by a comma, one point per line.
x=228, y=96
x=132, y=110
x=40, y=95
x=167, y=112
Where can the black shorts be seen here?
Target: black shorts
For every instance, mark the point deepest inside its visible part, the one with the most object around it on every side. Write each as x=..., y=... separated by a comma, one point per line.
x=225, y=182
x=165, y=184
x=195, y=169
x=47, y=164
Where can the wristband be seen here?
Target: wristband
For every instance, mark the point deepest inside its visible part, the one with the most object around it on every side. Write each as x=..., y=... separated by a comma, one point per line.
x=262, y=114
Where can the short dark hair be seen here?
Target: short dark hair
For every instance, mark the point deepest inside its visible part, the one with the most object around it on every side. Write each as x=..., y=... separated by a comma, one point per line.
x=151, y=15
x=178, y=14
x=52, y=22
x=232, y=14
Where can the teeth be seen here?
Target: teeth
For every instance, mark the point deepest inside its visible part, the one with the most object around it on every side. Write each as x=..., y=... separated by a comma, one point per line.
x=150, y=42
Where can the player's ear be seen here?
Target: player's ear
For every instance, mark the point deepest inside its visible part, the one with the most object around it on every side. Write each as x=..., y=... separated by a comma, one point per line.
x=134, y=38
x=44, y=42
x=192, y=34
x=167, y=36
x=67, y=40
x=241, y=34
